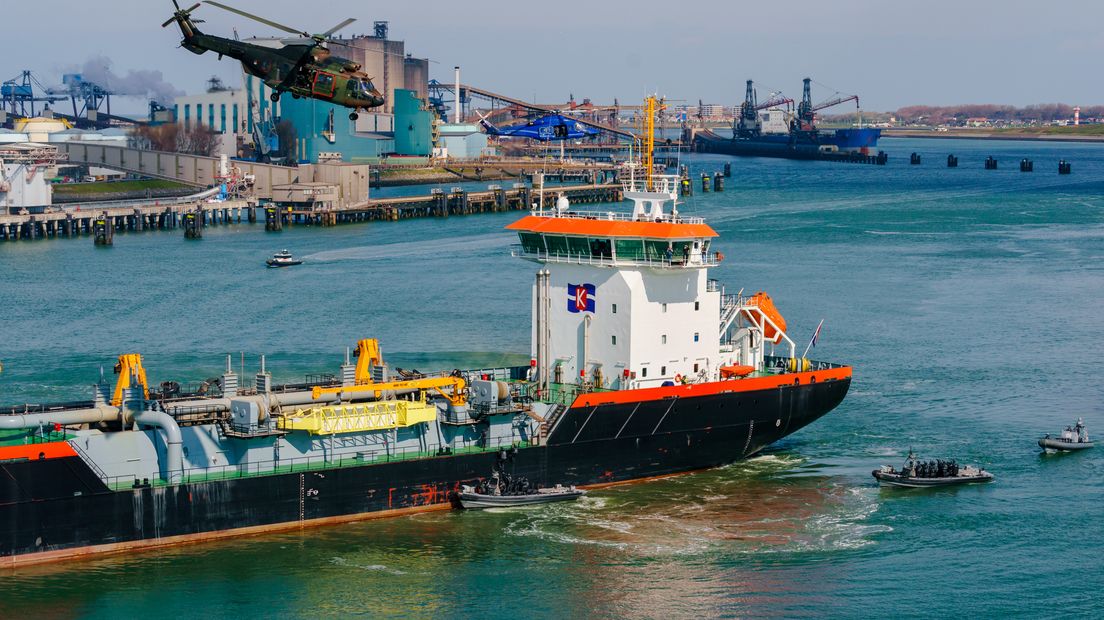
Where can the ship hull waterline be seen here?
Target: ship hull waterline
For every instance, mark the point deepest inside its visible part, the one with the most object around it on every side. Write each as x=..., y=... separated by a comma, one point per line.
x=590, y=447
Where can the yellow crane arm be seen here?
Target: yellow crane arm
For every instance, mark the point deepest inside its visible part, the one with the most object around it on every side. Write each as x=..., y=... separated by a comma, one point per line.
x=438, y=384
x=130, y=364
x=368, y=355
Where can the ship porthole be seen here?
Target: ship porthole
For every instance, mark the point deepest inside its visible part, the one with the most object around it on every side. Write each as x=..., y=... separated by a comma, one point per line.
x=778, y=422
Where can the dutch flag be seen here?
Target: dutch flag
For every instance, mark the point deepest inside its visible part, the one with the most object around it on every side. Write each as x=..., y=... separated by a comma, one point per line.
x=816, y=334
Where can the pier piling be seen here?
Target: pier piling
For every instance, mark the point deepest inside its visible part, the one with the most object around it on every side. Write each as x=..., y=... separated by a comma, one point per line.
x=102, y=231
x=193, y=224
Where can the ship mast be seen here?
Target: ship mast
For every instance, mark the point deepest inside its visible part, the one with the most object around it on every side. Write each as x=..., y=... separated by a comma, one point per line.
x=652, y=106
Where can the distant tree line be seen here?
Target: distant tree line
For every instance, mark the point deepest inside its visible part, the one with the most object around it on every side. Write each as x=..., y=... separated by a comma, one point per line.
x=957, y=114
x=1042, y=112
x=176, y=138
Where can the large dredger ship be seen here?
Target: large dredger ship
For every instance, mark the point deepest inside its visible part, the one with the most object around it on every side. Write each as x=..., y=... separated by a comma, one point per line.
x=641, y=366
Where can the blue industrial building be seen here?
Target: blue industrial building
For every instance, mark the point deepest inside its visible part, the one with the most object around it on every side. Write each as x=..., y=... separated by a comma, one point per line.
x=324, y=129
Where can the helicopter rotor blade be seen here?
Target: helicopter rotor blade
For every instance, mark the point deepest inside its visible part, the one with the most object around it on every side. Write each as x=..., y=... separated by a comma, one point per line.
x=256, y=18
x=341, y=43
x=338, y=27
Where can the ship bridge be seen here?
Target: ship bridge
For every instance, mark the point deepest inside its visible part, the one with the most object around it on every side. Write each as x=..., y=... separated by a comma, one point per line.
x=646, y=237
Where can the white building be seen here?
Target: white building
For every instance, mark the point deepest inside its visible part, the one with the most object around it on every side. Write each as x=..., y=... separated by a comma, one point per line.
x=715, y=110
x=225, y=111
x=775, y=120
x=25, y=173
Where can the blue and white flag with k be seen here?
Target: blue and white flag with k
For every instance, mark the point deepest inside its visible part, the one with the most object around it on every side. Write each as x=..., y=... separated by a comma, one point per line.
x=580, y=298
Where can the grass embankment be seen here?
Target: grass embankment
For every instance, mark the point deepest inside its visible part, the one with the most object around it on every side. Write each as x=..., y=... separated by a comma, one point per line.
x=411, y=173
x=117, y=187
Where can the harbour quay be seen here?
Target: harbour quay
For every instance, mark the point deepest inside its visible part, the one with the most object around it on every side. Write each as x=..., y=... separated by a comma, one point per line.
x=303, y=209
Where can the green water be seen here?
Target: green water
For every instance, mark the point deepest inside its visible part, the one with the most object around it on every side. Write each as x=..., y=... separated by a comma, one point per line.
x=968, y=301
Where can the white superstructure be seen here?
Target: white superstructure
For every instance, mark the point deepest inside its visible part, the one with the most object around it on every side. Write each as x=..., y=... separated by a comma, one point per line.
x=624, y=300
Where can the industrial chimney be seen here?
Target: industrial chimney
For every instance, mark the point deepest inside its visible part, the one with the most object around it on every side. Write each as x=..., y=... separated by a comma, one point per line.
x=456, y=109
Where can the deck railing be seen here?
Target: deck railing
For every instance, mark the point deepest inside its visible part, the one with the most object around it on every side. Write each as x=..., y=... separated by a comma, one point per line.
x=313, y=463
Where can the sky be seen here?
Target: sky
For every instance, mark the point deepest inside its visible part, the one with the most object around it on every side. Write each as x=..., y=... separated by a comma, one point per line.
x=890, y=52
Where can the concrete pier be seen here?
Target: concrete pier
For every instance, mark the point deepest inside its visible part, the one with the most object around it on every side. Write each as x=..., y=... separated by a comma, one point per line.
x=194, y=217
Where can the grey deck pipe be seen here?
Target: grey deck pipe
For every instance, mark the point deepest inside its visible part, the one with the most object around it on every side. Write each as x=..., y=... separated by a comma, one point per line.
x=174, y=444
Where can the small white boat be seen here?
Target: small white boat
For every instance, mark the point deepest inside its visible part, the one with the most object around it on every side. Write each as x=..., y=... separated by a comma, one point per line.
x=1072, y=439
x=283, y=258
x=939, y=473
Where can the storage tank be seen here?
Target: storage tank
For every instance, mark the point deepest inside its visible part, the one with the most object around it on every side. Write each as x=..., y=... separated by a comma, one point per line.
x=39, y=129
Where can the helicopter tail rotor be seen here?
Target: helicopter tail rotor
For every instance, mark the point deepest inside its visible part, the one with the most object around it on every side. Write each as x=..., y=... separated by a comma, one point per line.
x=183, y=16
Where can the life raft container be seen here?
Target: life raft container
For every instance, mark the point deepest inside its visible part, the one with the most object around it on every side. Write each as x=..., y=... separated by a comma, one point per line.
x=772, y=333
x=731, y=372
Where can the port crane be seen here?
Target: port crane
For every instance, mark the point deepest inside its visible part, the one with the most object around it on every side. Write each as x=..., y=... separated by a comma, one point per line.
x=806, y=110
x=748, y=123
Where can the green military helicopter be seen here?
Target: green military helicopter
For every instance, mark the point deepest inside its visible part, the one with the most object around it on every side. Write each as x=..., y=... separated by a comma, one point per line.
x=302, y=69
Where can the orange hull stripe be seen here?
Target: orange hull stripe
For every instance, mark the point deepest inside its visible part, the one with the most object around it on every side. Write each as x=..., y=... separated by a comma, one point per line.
x=594, y=399
x=612, y=228
x=54, y=450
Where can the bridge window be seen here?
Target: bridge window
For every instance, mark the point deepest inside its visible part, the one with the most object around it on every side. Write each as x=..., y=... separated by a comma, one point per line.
x=557, y=245
x=629, y=249
x=655, y=250
x=222, y=113
x=578, y=246
x=532, y=243
x=601, y=248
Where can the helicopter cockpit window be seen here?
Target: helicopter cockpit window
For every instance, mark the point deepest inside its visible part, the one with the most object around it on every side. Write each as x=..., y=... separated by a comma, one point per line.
x=360, y=89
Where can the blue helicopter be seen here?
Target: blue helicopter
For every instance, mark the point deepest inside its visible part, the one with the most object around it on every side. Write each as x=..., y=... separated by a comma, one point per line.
x=545, y=129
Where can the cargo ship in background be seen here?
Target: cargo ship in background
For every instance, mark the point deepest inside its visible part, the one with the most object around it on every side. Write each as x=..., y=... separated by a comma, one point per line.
x=770, y=129
x=641, y=366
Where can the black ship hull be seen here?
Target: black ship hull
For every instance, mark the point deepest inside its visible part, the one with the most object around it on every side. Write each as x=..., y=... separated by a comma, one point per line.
x=59, y=508
x=709, y=142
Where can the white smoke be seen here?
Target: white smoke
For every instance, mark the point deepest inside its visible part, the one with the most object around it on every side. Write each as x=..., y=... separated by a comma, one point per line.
x=149, y=84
